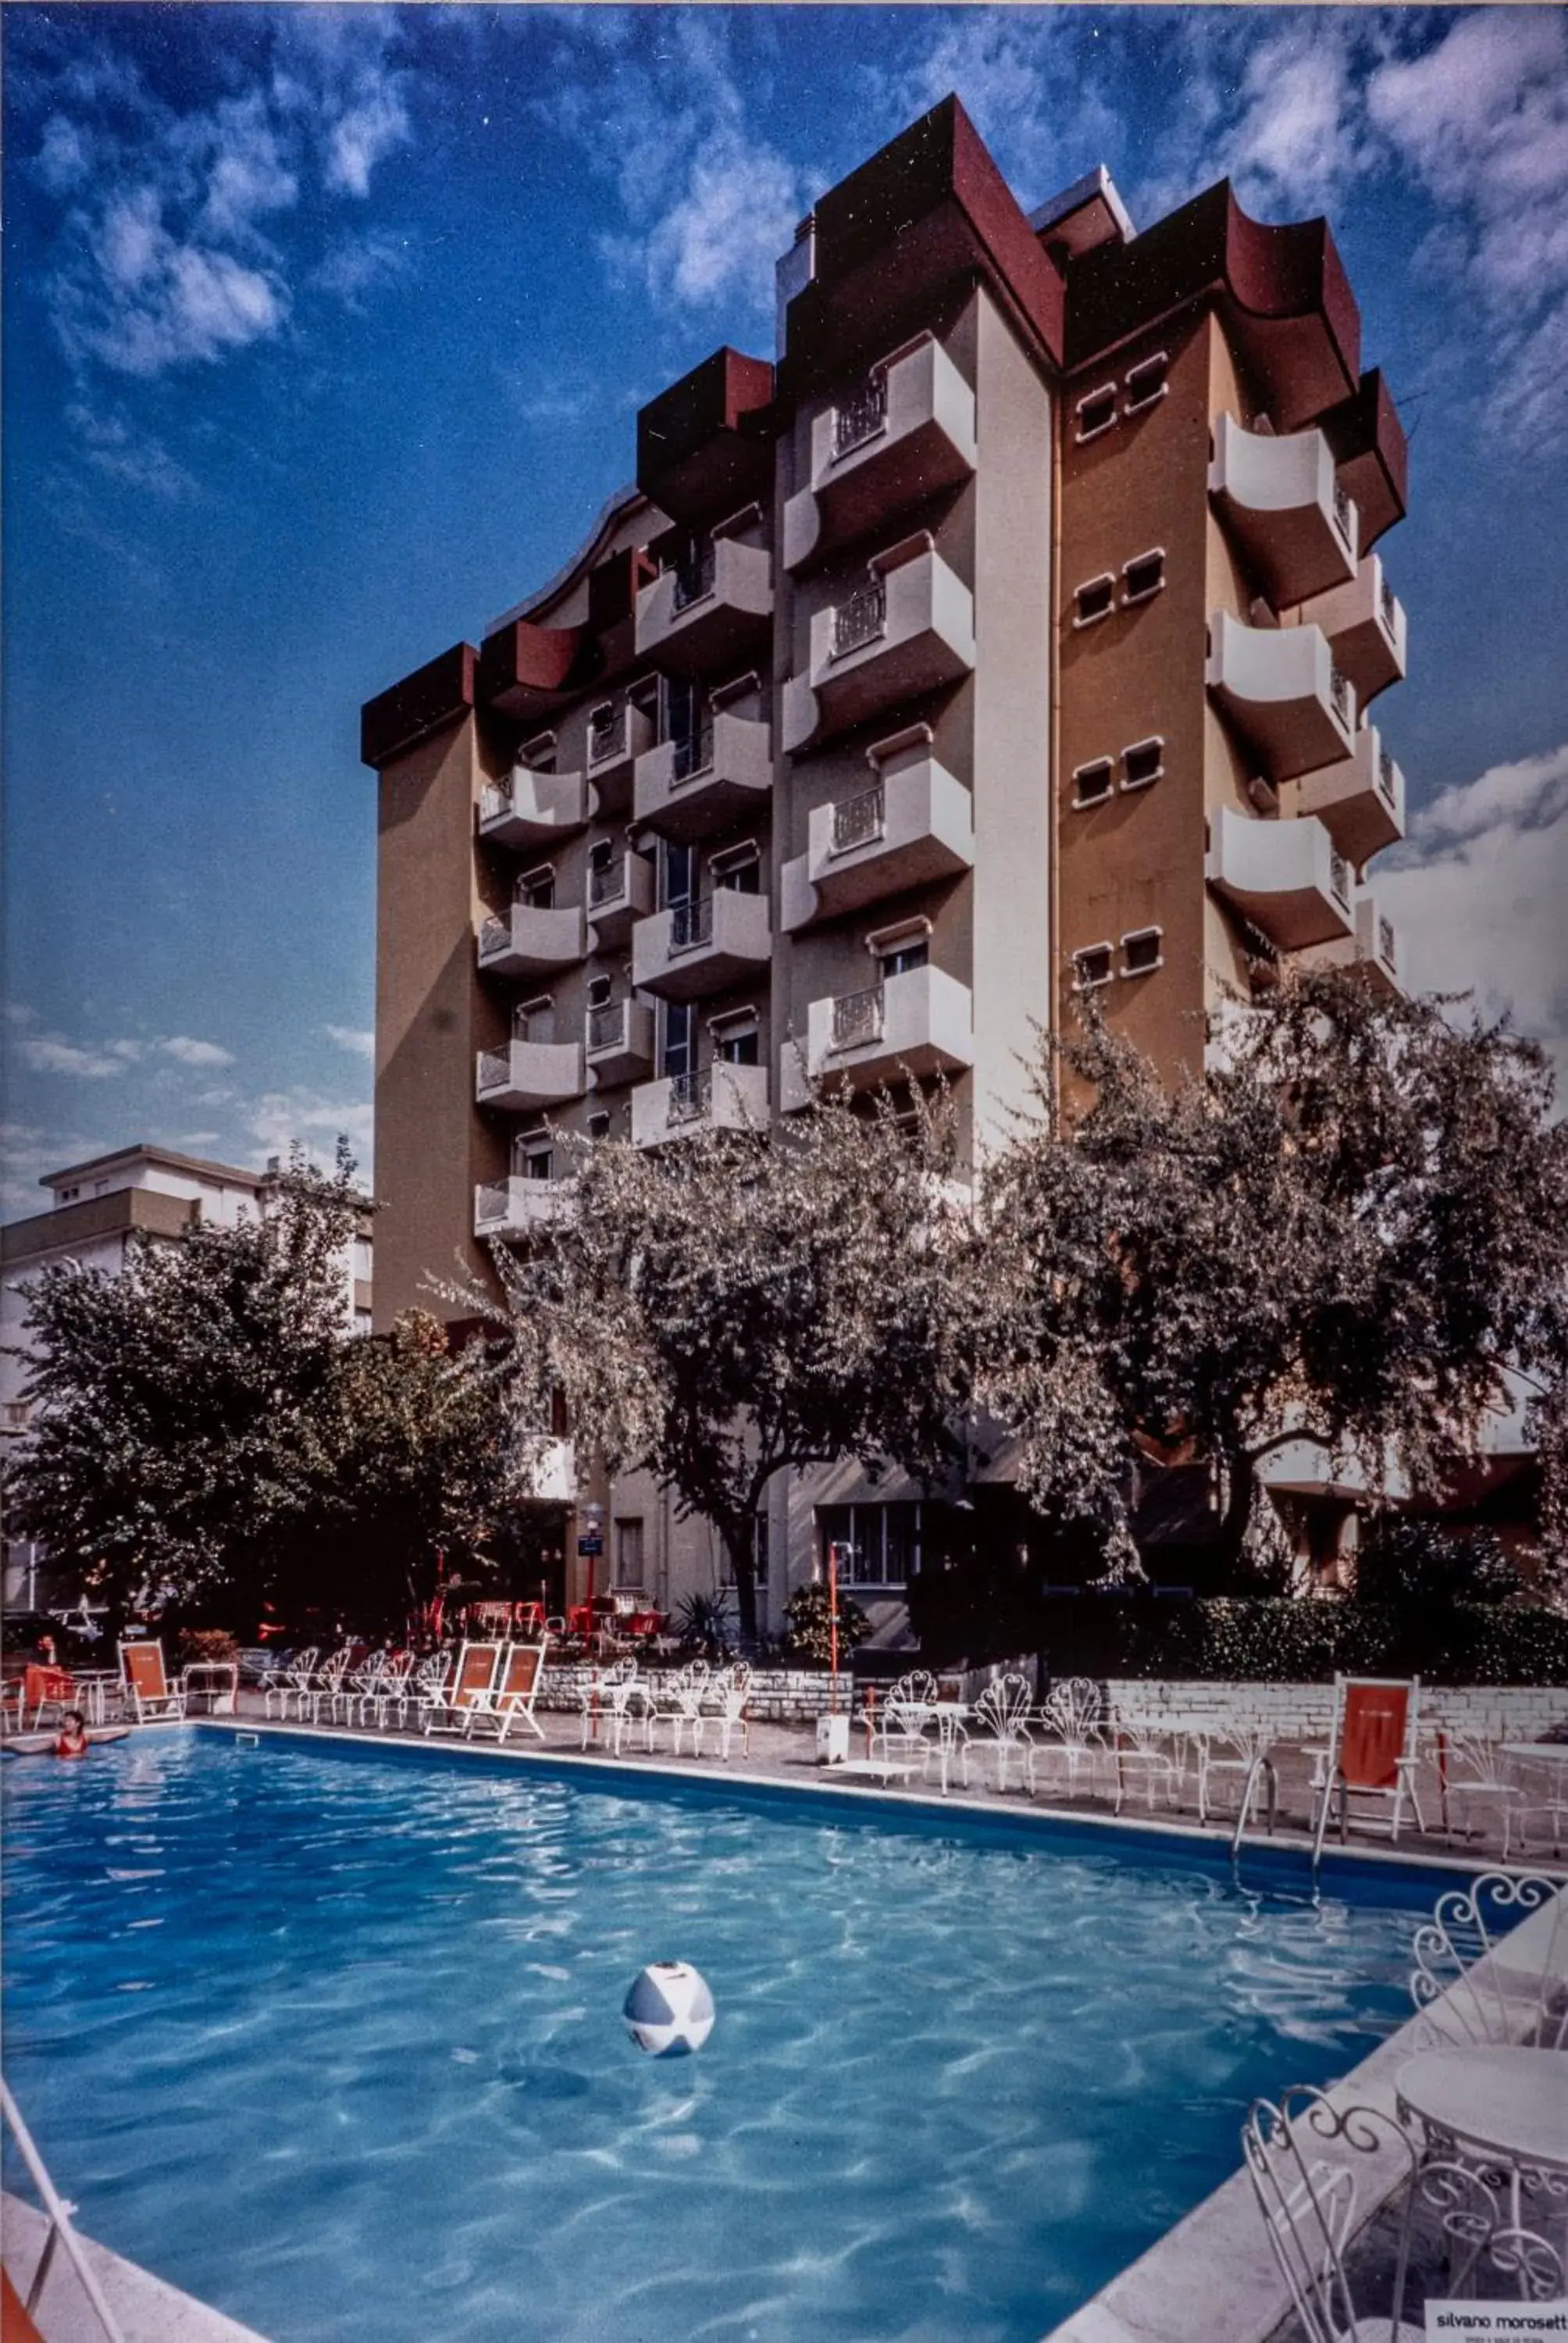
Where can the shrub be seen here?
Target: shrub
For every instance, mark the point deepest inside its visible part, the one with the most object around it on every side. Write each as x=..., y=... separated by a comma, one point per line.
x=198, y=1646
x=1280, y=1641
x=808, y=1631
x=1415, y=1562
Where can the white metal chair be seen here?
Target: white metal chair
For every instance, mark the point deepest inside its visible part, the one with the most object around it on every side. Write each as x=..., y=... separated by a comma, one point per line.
x=725, y=1708
x=424, y=1685
x=290, y=1681
x=1313, y=2169
x=323, y=1686
x=1475, y=1783
x=1070, y=1712
x=390, y=1689
x=674, y=1700
x=1239, y=1754
x=1003, y=1711
x=608, y=1694
x=1469, y=1996
x=1147, y=1758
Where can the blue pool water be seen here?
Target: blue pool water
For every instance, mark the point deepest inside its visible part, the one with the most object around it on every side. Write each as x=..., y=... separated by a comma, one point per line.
x=333, y=2040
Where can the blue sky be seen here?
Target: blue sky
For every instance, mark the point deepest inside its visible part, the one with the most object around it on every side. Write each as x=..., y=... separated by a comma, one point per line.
x=325, y=331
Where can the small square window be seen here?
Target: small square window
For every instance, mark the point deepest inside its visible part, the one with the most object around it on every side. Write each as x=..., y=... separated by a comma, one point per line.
x=1143, y=762
x=1092, y=782
x=1144, y=576
x=1147, y=381
x=1096, y=598
x=1097, y=412
x=1141, y=952
x=599, y=1125
x=902, y=960
x=1092, y=966
x=598, y=992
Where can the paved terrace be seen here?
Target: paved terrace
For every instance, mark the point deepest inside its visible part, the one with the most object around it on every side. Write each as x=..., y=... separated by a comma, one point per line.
x=787, y=1754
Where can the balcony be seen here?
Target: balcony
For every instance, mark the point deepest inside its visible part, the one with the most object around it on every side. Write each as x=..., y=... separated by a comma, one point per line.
x=916, y=1024
x=1282, y=693
x=709, y=612
x=530, y=808
x=531, y=940
x=905, y=433
x=517, y=1206
x=1286, y=877
x=1365, y=625
x=905, y=632
x=703, y=947
x=687, y=789
x=914, y=825
x=618, y=892
x=529, y=1074
x=1284, y=509
x=617, y=738
x=722, y=1097
x=1361, y=802
x=619, y=1045
x=1375, y=948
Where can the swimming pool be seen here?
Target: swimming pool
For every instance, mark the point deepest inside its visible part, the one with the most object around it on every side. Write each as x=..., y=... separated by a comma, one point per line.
x=332, y=2039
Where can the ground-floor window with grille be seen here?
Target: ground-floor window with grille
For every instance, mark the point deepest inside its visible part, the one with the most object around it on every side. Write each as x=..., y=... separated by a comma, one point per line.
x=879, y=1545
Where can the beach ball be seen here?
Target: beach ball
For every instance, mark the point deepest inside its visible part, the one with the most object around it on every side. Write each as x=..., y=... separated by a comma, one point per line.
x=669, y=2010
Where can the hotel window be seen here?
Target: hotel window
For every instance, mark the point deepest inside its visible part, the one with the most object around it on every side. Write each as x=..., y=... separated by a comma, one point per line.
x=678, y=1055
x=598, y=1124
x=1095, y=598
x=900, y=959
x=539, y=753
x=679, y=873
x=1092, y=966
x=1097, y=412
x=628, y=1554
x=1142, y=576
x=1143, y=762
x=599, y=989
x=1141, y=952
x=534, y=1021
x=739, y=869
x=1146, y=382
x=879, y=1545
x=736, y=1039
x=1092, y=782
x=537, y=889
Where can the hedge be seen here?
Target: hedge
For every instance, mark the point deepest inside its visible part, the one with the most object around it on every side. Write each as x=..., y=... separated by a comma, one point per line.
x=1278, y=1641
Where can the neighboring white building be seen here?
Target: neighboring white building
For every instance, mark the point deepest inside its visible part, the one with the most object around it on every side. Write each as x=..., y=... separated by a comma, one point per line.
x=98, y=1206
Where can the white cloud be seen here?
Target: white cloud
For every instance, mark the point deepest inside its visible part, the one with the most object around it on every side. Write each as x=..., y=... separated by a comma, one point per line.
x=113, y=444
x=1478, y=891
x=280, y=1117
x=1025, y=78
x=166, y=256
x=356, y=267
x=191, y=1052
x=353, y=1039
x=50, y=1054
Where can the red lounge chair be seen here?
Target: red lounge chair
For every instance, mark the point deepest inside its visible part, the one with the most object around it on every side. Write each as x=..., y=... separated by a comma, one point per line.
x=511, y=1699
x=446, y=1709
x=147, y=1687
x=1370, y=1756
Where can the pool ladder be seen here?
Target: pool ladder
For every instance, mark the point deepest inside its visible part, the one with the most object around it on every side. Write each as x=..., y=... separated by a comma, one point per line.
x=60, y=2232
x=1261, y=1763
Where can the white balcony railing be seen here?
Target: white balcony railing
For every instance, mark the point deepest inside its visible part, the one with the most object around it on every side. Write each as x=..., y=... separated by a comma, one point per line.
x=531, y=808
x=1360, y=800
x=914, y=826
x=721, y=1097
x=1287, y=877
x=903, y=433
x=861, y=619
x=909, y=1026
x=904, y=634
x=1283, y=504
x=1281, y=691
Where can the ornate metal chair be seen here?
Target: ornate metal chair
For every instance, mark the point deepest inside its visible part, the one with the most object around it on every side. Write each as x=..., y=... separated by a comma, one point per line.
x=1463, y=1984
x=1471, y=1772
x=1003, y=1710
x=1070, y=1712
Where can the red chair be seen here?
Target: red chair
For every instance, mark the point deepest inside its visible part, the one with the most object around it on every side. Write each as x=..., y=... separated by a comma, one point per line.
x=1372, y=1755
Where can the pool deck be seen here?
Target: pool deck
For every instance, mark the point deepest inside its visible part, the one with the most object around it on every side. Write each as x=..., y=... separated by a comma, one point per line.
x=148, y=2308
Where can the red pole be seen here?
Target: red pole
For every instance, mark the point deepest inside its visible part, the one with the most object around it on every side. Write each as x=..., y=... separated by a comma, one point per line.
x=833, y=1622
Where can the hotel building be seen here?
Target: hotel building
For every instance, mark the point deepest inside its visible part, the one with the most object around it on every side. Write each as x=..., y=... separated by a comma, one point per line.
x=1013, y=634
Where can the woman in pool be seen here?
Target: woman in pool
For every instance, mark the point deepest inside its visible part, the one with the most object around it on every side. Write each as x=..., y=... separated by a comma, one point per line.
x=72, y=1741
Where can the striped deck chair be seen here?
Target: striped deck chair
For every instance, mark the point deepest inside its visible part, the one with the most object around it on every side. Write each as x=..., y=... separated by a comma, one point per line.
x=147, y=1687
x=447, y=1708
x=511, y=1700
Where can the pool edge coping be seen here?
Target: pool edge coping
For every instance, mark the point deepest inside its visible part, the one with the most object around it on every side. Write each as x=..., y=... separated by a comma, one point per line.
x=149, y=2308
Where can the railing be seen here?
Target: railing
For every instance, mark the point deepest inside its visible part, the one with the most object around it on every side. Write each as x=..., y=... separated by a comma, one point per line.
x=1340, y=880
x=494, y=1204
x=495, y=799
x=606, y=734
x=59, y=2232
x=1385, y=775
x=495, y=936
x=858, y=821
x=1385, y=945
x=862, y=416
x=495, y=1069
x=695, y=569
x=861, y=618
x=1387, y=605
x=606, y=883
x=606, y=1025
x=693, y=752
x=1340, y=693
x=1342, y=510
x=691, y=923
x=857, y=1017
x=690, y=1096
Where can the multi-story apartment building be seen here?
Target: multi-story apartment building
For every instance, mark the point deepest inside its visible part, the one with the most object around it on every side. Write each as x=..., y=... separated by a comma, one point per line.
x=1009, y=636
x=98, y=1208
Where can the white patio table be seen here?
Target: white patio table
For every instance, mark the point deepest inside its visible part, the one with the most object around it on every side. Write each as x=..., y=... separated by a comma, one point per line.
x=1499, y=2107
x=91, y=1688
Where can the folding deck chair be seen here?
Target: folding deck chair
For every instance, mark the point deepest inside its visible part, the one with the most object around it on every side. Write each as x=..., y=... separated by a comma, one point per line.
x=1372, y=1755
x=446, y=1709
x=151, y=1696
x=511, y=1696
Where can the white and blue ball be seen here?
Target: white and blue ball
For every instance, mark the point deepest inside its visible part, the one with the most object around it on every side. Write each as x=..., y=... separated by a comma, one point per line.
x=669, y=2010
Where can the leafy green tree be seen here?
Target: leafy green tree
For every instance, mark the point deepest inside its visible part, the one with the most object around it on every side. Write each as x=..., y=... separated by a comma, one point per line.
x=1413, y=1563
x=726, y=1307
x=206, y=1439
x=1342, y=1234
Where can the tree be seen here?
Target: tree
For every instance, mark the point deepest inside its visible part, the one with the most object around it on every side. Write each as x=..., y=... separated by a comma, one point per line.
x=736, y=1304
x=208, y=1439
x=1343, y=1233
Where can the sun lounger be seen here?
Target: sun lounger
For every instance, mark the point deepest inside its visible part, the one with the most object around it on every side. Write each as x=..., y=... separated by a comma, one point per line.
x=151, y=1697
x=510, y=1698
x=445, y=1710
